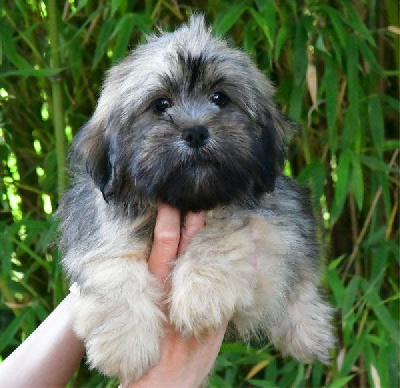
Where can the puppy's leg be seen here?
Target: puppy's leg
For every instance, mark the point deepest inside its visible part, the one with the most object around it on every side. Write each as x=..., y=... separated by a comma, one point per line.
x=287, y=305
x=212, y=279
x=306, y=334
x=118, y=318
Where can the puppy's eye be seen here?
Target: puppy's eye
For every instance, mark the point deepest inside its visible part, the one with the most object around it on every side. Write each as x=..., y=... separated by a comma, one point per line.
x=161, y=105
x=220, y=99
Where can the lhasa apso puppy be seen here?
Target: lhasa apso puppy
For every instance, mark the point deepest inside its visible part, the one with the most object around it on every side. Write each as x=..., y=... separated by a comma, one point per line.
x=189, y=121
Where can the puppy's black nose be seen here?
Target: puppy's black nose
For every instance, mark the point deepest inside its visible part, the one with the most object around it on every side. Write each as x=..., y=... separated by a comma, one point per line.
x=196, y=137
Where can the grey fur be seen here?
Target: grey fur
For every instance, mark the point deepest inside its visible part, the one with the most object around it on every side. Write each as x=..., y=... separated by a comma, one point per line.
x=259, y=243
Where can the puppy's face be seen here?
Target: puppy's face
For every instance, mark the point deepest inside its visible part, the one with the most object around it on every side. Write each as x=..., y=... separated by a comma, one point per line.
x=187, y=121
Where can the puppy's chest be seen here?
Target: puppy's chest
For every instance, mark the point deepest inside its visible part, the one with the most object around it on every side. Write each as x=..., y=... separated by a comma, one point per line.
x=226, y=226
x=220, y=224
x=226, y=219
x=257, y=229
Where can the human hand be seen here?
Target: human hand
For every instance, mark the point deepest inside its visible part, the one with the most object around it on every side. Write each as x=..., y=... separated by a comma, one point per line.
x=184, y=362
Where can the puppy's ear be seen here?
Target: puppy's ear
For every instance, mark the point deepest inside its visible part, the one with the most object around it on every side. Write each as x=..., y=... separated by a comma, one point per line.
x=93, y=150
x=276, y=130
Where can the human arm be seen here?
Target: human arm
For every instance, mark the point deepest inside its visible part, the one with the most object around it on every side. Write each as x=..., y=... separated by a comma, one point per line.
x=49, y=356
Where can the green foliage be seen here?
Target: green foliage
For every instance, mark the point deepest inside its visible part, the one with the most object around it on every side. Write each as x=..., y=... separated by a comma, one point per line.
x=335, y=64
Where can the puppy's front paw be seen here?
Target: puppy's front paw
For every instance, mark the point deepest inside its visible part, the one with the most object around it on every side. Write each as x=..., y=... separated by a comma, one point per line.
x=120, y=341
x=203, y=298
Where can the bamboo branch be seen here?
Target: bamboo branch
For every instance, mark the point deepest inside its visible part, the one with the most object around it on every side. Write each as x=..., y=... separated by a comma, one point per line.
x=58, y=113
x=367, y=221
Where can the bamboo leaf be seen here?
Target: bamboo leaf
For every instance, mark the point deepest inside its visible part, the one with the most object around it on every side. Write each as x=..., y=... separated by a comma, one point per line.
x=123, y=30
x=341, y=381
x=369, y=358
x=10, y=51
x=5, y=253
x=387, y=196
x=118, y=4
x=336, y=262
x=391, y=145
x=22, y=6
x=268, y=12
x=296, y=101
x=376, y=123
x=317, y=374
x=280, y=41
x=103, y=40
x=387, y=362
x=342, y=183
x=355, y=22
x=376, y=304
x=248, y=39
x=351, y=130
x=229, y=18
x=374, y=163
x=262, y=23
x=81, y=29
x=391, y=103
x=315, y=172
x=7, y=336
x=300, y=52
x=81, y=4
x=337, y=22
x=32, y=254
x=75, y=56
x=351, y=356
x=357, y=183
x=350, y=296
x=32, y=72
x=331, y=97
x=320, y=45
x=258, y=383
x=336, y=286
x=369, y=56
x=352, y=75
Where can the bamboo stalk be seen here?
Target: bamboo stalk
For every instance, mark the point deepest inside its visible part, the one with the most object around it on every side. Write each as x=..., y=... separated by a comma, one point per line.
x=58, y=113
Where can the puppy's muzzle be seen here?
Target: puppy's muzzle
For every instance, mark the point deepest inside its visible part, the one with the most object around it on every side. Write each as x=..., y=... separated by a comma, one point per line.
x=195, y=137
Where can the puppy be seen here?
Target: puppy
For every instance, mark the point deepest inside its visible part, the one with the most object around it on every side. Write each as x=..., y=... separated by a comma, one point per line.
x=188, y=121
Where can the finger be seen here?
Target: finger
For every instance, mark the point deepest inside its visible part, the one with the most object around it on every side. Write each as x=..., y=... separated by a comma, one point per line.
x=166, y=241
x=193, y=223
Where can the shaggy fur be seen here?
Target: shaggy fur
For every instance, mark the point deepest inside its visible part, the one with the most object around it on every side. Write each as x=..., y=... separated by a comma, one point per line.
x=256, y=261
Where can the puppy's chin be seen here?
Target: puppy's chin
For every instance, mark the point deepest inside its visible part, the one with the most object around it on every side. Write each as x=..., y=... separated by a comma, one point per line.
x=199, y=188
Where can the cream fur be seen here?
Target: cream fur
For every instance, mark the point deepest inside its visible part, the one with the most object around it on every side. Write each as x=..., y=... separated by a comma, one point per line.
x=235, y=269
x=119, y=319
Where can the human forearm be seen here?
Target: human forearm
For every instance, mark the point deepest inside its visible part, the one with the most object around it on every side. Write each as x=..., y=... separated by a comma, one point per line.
x=49, y=356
